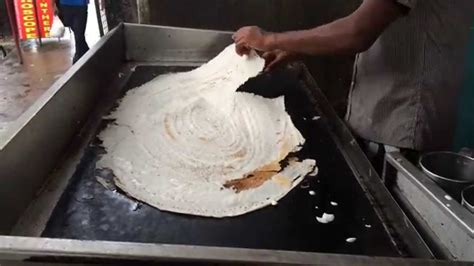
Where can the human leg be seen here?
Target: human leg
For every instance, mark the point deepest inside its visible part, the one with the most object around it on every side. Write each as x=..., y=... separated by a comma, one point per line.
x=78, y=26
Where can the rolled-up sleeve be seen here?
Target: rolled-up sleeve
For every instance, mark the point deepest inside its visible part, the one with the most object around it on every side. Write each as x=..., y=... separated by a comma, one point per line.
x=407, y=3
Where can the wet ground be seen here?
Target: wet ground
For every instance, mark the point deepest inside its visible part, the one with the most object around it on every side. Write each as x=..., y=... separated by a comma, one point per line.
x=22, y=84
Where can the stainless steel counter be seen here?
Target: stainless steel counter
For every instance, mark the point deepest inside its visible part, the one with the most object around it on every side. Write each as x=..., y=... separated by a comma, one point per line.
x=446, y=225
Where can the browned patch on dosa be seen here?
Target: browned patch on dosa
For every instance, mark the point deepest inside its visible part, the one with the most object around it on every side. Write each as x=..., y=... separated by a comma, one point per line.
x=262, y=174
x=254, y=179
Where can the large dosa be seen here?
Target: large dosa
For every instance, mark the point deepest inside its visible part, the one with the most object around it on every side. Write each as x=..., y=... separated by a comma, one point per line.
x=189, y=143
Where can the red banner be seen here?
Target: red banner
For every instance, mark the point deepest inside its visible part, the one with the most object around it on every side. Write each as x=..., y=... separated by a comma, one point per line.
x=30, y=20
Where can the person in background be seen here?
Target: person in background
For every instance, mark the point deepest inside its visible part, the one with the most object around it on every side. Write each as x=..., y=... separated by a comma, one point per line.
x=73, y=14
x=407, y=74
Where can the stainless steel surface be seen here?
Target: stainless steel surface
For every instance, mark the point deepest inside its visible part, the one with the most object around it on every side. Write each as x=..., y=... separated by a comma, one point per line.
x=448, y=226
x=21, y=248
x=452, y=171
x=169, y=44
x=35, y=142
x=50, y=125
x=467, y=198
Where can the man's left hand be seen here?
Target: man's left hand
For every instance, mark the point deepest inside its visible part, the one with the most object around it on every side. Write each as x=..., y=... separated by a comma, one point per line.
x=278, y=57
x=251, y=37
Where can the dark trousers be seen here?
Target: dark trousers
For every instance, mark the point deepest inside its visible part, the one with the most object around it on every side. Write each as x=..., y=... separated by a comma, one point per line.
x=75, y=17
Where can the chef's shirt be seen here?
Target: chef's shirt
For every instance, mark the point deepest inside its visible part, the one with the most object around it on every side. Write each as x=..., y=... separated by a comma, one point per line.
x=405, y=87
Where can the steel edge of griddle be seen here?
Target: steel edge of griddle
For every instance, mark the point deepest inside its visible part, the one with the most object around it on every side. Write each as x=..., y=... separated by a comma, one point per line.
x=23, y=248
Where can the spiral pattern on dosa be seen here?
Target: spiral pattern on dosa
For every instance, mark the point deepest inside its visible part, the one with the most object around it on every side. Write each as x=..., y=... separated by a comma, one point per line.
x=182, y=141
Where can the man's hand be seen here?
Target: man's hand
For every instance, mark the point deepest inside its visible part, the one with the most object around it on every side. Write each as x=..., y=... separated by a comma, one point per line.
x=251, y=37
x=278, y=57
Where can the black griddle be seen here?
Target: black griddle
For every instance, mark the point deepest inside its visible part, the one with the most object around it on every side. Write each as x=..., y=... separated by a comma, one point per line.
x=89, y=211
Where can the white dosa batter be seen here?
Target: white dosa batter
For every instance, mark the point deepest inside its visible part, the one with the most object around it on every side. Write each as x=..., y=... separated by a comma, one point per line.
x=179, y=138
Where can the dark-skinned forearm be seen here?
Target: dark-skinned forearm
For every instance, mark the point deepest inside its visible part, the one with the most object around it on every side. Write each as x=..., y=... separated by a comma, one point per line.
x=348, y=35
x=338, y=37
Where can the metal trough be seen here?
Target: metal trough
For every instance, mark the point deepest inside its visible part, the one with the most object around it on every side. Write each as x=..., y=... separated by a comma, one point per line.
x=47, y=160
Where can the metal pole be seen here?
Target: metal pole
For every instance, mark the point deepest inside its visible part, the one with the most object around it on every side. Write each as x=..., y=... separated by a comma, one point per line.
x=14, y=28
x=38, y=29
x=99, y=17
x=143, y=7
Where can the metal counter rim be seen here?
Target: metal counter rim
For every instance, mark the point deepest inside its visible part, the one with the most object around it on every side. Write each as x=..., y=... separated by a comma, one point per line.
x=30, y=247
